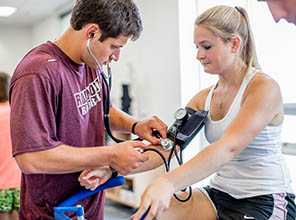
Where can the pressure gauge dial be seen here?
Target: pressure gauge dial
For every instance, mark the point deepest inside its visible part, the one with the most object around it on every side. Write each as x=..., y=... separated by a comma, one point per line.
x=180, y=114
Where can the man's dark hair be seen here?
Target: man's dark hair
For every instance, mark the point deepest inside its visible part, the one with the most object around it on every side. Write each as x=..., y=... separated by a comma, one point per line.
x=4, y=86
x=114, y=17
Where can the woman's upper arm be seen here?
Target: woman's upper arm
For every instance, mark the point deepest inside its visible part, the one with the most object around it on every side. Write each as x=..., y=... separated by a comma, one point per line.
x=198, y=101
x=261, y=103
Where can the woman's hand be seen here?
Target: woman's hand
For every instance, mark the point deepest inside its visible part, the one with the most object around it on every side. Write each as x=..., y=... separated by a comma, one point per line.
x=156, y=197
x=92, y=178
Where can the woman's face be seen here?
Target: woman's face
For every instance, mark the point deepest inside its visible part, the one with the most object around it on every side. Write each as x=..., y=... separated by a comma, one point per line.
x=213, y=53
x=285, y=9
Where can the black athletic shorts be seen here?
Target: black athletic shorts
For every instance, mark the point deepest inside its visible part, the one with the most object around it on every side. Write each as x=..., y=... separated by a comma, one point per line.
x=279, y=206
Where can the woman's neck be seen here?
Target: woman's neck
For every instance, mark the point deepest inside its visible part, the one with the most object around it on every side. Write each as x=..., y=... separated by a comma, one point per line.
x=232, y=77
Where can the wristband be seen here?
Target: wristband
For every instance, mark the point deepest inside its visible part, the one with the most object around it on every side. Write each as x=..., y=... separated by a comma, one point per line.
x=114, y=172
x=133, y=127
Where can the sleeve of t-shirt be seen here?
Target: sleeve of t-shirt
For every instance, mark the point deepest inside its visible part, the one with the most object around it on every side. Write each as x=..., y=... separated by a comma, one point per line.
x=33, y=110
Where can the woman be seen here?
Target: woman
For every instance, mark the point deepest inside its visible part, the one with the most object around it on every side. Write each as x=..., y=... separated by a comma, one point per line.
x=10, y=174
x=243, y=128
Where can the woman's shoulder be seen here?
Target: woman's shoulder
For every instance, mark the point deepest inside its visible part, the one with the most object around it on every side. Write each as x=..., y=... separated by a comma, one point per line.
x=198, y=101
x=263, y=78
x=262, y=82
x=265, y=90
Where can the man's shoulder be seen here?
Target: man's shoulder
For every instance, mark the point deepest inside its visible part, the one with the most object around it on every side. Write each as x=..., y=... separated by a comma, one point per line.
x=39, y=57
x=41, y=61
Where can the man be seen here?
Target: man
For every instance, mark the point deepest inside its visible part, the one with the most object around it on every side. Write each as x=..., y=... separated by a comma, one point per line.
x=285, y=9
x=56, y=97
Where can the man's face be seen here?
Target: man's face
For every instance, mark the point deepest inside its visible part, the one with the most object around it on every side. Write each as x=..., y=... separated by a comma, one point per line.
x=285, y=9
x=105, y=51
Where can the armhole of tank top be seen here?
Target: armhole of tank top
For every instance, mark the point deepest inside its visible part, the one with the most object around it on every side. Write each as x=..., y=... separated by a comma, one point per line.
x=250, y=77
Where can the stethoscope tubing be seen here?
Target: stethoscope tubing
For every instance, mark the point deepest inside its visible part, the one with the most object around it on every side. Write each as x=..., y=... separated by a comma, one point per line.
x=106, y=95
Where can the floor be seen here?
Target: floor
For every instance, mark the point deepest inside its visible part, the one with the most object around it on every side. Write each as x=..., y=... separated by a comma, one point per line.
x=117, y=211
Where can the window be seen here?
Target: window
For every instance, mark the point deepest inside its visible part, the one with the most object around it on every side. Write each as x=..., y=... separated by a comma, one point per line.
x=276, y=46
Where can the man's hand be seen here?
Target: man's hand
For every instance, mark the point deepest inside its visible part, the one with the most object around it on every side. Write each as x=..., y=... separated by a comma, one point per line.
x=144, y=129
x=127, y=156
x=92, y=178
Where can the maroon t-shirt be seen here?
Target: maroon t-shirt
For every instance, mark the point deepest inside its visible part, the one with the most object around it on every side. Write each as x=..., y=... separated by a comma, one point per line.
x=54, y=101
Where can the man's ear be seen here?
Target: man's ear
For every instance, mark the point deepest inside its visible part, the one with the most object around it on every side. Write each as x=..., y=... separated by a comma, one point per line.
x=92, y=30
x=236, y=42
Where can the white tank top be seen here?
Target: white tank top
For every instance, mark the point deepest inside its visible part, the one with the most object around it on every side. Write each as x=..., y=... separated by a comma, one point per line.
x=260, y=168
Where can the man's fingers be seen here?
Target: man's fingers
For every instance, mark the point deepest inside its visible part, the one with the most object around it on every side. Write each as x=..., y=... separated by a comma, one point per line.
x=160, y=122
x=139, y=144
x=162, y=131
x=155, y=141
x=161, y=127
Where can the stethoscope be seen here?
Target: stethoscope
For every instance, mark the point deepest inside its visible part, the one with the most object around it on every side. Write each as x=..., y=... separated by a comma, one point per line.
x=106, y=95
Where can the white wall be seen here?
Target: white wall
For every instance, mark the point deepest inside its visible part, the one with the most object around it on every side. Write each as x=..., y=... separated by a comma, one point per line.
x=47, y=29
x=151, y=64
x=15, y=42
x=50, y=28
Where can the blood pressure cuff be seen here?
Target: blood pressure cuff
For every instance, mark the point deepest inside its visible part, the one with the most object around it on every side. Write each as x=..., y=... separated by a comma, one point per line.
x=191, y=127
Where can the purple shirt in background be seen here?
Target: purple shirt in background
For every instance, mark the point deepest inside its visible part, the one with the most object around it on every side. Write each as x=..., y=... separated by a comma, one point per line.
x=54, y=101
